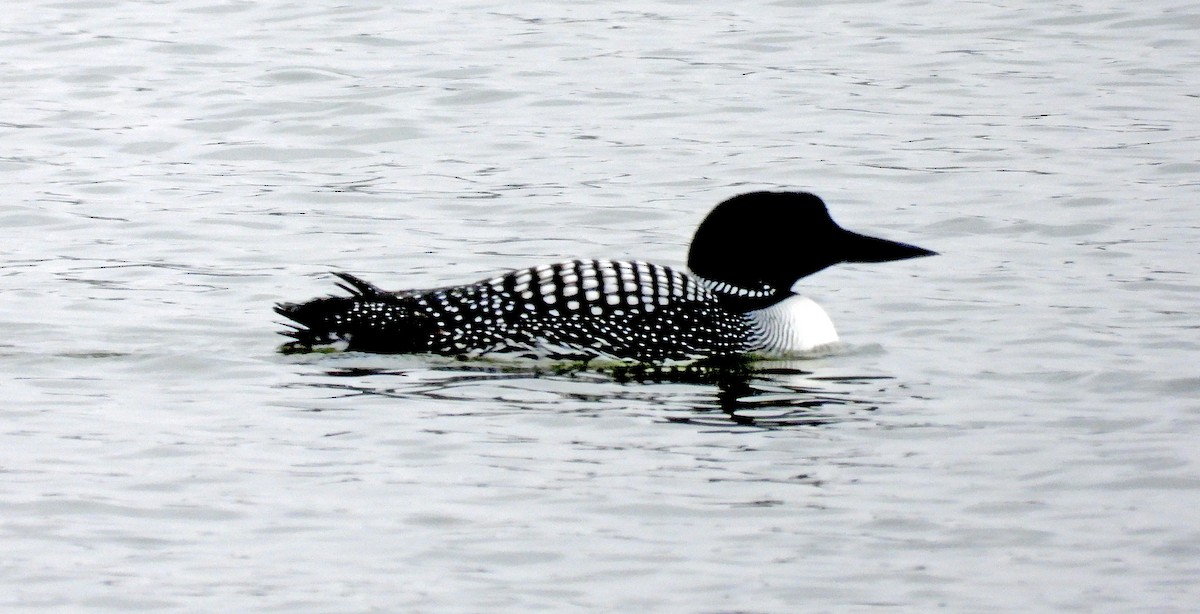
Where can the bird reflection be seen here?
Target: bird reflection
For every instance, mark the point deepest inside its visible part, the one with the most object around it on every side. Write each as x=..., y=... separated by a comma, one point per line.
x=738, y=395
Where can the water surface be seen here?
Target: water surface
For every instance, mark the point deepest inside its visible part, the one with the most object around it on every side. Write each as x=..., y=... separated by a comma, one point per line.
x=1009, y=427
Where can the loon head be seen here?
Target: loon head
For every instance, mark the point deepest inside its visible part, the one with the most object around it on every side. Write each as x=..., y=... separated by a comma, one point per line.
x=752, y=248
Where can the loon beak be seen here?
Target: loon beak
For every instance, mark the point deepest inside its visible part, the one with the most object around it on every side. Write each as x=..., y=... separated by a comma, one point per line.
x=861, y=248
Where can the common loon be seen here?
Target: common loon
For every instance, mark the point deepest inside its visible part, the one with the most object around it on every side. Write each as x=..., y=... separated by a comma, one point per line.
x=738, y=299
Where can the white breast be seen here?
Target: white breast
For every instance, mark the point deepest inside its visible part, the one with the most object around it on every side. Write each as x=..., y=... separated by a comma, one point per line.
x=792, y=326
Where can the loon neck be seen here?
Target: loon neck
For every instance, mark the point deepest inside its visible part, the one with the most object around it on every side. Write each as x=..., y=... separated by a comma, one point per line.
x=792, y=326
x=742, y=299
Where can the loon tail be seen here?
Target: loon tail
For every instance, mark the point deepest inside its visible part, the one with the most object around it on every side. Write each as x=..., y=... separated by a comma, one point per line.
x=370, y=319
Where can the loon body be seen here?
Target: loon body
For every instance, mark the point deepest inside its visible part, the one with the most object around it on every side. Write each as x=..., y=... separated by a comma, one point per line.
x=737, y=299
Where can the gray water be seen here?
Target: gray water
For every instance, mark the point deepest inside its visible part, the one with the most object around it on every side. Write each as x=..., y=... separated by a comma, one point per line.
x=1010, y=426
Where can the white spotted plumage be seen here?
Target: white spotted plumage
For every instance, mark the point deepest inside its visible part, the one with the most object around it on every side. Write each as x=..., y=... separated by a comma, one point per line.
x=624, y=309
x=588, y=307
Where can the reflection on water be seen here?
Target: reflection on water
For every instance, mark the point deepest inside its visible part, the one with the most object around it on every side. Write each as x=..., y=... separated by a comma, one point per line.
x=785, y=398
x=737, y=397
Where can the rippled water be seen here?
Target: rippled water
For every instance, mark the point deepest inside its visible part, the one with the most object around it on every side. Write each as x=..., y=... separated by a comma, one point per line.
x=1011, y=426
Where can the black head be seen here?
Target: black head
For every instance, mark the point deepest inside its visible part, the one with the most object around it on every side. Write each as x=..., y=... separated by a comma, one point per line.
x=759, y=244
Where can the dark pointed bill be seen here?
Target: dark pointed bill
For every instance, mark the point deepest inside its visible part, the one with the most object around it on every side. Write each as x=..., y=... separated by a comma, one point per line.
x=861, y=248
